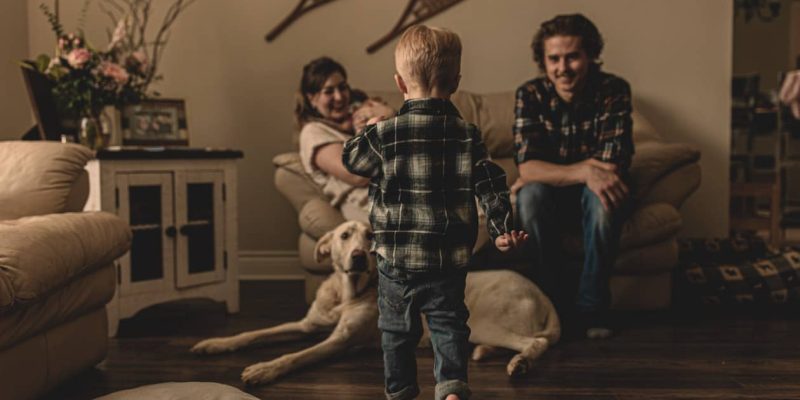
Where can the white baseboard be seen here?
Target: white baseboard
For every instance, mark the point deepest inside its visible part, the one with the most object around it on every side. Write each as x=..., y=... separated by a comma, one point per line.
x=269, y=265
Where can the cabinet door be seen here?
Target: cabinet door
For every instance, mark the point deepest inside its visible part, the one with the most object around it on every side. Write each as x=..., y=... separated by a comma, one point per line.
x=200, y=219
x=145, y=202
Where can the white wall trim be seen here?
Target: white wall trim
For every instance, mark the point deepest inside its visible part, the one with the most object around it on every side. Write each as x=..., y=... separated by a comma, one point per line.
x=269, y=265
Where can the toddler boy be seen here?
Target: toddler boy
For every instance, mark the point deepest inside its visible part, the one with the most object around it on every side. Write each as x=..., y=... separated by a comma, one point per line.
x=426, y=166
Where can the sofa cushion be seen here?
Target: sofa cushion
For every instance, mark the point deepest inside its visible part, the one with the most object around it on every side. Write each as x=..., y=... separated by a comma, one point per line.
x=653, y=160
x=33, y=367
x=650, y=224
x=42, y=253
x=655, y=258
x=317, y=217
x=293, y=182
x=89, y=292
x=673, y=188
x=40, y=178
x=496, y=123
x=290, y=161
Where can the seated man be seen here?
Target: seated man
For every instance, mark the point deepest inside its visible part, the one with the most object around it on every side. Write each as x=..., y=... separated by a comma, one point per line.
x=573, y=138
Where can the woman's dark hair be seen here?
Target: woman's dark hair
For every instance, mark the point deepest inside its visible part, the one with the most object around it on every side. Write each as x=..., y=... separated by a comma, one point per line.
x=568, y=25
x=315, y=74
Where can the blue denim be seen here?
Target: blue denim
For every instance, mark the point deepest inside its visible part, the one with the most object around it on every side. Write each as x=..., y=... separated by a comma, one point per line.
x=545, y=212
x=402, y=297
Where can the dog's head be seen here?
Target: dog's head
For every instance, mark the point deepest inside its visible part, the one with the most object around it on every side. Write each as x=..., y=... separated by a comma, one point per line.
x=348, y=247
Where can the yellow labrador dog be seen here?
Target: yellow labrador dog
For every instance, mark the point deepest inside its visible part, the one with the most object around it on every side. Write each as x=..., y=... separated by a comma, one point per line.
x=506, y=311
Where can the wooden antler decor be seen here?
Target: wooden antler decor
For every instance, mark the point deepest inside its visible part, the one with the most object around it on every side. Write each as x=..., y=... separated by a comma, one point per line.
x=303, y=7
x=421, y=10
x=416, y=12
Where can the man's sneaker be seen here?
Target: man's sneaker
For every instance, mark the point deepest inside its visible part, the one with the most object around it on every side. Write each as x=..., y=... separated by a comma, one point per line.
x=597, y=324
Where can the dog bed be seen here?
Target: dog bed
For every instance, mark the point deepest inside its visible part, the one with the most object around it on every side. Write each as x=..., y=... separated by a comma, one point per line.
x=181, y=391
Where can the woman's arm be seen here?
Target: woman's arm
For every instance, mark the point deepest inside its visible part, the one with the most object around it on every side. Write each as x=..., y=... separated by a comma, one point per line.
x=328, y=158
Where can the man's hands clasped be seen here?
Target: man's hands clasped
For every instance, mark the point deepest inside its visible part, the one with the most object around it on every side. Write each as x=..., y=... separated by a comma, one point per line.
x=602, y=179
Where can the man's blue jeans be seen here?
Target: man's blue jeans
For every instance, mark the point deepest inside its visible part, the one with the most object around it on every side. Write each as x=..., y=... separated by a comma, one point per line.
x=545, y=212
x=402, y=296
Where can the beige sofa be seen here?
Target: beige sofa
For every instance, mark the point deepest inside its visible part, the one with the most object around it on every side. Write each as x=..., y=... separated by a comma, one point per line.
x=56, y=267
x=664, y=175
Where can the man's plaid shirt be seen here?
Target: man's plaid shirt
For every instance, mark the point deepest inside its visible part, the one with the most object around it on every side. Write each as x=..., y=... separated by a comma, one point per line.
x=598, y=124
x=426, y=166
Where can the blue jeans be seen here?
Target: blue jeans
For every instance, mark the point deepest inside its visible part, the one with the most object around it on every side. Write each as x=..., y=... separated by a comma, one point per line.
x=544, y=211
x=402, y=296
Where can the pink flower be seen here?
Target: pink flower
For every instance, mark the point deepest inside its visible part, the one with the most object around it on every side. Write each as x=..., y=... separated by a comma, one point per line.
x=115, y=72
x=78, y=57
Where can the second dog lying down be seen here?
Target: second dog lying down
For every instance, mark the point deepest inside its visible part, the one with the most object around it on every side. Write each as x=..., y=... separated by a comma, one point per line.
x=506, y=311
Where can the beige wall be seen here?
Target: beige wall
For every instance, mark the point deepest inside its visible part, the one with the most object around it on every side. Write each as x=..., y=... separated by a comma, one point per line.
x=239, y=89
x=15, y=118
x=763, y=47
x=794, y=33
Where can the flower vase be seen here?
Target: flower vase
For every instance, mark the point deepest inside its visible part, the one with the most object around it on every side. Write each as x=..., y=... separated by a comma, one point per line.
x=94, y=132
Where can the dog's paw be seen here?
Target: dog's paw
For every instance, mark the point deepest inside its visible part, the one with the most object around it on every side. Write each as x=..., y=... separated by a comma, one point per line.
x=518, y=366
x=213, y=346
x=482, y=351
x=261, y=373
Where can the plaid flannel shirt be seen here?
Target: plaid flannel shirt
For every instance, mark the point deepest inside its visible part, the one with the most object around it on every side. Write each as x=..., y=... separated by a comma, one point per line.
x=426, y=166
x=598, y=124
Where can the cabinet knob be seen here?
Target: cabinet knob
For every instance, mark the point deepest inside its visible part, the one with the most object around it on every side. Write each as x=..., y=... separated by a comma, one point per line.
x=171, y=231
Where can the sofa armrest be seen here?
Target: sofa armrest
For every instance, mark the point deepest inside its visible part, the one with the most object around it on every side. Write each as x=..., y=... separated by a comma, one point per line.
x=318, y=217
x=653, y=160
x=39, y=254
x=37, y=178
x=292, y=181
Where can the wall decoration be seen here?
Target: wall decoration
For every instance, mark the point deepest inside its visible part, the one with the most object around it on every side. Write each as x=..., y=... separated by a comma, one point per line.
x=303, y=7
x=416, y=12
x=419, y=11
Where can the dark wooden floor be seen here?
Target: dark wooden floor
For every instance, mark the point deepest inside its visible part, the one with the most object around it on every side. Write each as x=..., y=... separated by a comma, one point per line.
x=663, y=355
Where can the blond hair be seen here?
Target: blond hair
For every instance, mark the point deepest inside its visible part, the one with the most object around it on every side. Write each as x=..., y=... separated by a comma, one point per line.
x=429, y=58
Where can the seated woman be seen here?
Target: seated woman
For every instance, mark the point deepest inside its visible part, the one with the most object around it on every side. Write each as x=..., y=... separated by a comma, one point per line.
x=328, y=113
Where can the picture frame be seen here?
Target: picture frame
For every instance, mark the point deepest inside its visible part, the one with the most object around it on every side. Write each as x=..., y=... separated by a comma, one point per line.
x=50, y=123
x=155, y=122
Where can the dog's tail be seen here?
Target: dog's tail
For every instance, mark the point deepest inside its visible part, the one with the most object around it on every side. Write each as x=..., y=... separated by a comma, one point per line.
x=552, y=329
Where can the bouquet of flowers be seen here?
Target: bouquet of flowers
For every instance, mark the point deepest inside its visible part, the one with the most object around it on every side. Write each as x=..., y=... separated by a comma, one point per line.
x=87, y=79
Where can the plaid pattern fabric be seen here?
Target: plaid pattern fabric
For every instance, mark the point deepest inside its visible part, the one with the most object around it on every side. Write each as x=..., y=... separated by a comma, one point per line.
x=426, y=166
x=598, y=124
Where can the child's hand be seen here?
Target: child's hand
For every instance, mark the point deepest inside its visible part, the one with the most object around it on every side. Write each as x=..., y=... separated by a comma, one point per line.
x=510, y=241
x=371, y=112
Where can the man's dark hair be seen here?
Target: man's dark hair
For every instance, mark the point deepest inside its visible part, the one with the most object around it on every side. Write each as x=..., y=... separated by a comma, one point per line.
x=568, y=25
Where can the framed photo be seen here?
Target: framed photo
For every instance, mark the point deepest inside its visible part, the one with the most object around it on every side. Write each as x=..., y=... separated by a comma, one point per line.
x=155, y=122
x=50, y=123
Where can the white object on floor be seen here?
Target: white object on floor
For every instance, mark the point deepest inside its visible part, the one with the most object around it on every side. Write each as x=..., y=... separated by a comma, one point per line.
x=181, y=391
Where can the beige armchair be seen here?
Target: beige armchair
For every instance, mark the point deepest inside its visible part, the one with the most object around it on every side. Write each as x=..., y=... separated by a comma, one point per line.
x=664, y=175
x=56, y=267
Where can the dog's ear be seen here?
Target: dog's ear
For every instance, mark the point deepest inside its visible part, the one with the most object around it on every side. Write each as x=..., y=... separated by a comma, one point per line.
x=323, y=248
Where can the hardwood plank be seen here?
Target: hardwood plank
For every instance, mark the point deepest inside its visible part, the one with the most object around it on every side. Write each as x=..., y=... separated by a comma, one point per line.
x=677, y=354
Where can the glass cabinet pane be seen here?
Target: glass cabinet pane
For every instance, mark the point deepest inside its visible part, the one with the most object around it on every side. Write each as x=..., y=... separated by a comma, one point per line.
x=145, y=221
x=199, y=229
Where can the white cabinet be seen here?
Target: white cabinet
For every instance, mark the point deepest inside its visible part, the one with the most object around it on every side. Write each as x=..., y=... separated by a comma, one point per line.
x=181, y=206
